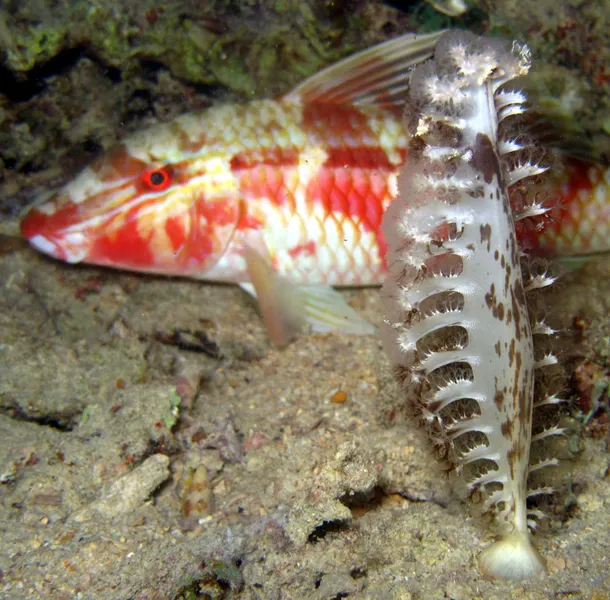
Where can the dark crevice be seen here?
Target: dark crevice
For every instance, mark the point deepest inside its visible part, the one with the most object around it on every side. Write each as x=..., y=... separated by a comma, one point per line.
x=20, y=87
x=53, y=423
x=430, y=496
x=16, y=90
x=91, y=147
x=403, y=5
x=192, y=340
x=151, y=69
x=64, y=423
x=9, y=163
x=138, y=105
x=358, y=573
x=321, y=531
x=338, y=596
x=362, y=502
x=27, y=168
x=113, y=73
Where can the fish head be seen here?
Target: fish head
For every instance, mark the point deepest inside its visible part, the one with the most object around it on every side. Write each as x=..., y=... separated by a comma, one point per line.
x=145, y=205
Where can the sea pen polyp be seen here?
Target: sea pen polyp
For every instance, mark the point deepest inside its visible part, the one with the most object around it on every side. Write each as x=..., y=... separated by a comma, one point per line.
x=457, y=326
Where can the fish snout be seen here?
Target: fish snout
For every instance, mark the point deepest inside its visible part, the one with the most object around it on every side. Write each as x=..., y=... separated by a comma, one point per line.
x=41, y=230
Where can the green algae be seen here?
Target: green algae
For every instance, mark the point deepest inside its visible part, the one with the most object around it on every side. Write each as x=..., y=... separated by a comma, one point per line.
x=34, y=45
x=85, y=415
x=171, y=418
x=213, y=584
x=218, y=45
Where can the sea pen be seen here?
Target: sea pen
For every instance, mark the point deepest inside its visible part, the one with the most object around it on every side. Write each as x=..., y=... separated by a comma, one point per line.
x=457, y=326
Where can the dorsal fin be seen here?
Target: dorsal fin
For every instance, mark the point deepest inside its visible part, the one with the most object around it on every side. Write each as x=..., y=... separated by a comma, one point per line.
x=378, y=75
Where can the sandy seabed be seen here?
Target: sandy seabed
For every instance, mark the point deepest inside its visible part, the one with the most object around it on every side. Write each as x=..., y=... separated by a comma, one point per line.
x=154, y=445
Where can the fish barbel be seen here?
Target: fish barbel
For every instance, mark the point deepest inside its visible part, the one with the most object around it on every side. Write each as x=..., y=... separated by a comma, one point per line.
x=266, y=194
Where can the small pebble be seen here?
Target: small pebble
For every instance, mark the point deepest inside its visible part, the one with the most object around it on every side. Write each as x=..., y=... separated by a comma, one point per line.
x=197, y=497
x=339, y=397
x=129, y=491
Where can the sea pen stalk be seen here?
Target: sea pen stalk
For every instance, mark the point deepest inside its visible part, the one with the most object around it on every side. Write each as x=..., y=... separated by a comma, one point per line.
x=457, y=326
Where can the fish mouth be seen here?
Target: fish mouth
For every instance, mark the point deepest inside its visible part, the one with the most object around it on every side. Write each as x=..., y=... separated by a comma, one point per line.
x=71, y=247
x=44, y=245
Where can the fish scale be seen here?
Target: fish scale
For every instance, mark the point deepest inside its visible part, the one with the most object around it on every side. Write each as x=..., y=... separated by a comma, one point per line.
x=316, y=205
x=579, y=223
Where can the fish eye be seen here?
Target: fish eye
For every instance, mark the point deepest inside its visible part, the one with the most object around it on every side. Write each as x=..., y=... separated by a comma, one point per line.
x=158, y=179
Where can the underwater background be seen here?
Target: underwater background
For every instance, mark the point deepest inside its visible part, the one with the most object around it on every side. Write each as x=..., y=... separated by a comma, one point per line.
x=153, y=443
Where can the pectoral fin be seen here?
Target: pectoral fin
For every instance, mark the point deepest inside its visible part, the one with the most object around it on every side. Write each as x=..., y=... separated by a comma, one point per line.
x=327, y=310
x=288, y=308
x=280, y=305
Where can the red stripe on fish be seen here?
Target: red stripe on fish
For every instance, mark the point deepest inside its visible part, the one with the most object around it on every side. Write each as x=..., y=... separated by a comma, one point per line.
x=365, y=157
x=338, y=126
x=275, y=157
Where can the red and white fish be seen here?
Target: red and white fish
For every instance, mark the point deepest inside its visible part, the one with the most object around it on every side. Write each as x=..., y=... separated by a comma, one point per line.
x=284, y=197
x=577, y=224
